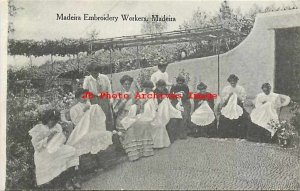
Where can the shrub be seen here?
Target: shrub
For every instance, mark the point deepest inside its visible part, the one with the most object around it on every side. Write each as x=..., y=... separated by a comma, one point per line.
x=22, y=115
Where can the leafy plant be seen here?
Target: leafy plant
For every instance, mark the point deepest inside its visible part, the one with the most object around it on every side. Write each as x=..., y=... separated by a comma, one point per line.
x=284, y=128
x=295, y=120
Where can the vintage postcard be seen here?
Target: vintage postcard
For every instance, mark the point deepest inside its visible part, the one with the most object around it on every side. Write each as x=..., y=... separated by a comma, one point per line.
x=150, y=95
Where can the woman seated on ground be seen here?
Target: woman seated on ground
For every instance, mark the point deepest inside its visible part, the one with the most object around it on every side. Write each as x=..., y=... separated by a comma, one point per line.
x=133, y=120
x=165, y=112
x=266, y=109
x=184, y=105
x=234, y=119
x=89, y=134
x=52, y=156
x=203, y=120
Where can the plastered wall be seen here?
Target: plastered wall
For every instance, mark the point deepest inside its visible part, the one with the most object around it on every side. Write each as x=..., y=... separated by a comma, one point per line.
x=253, y=60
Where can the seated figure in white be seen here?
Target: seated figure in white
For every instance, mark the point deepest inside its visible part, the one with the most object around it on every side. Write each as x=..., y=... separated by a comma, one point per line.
x=90, y=134
x=52, y=156
x=267, y=105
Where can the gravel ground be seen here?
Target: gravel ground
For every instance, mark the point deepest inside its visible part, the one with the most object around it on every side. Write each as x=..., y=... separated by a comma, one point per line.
x=206, y=164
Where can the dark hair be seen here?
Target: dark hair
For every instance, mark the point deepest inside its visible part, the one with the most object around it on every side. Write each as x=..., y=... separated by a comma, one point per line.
x=232, y=77
x=180, y=78
x=92, y=67
x=161, y=83
x=126, y=78
x=148, y=84
x=201, y=86
x=162, y=62
x=162, y=66
x=51, y=114
x=80, y=91
x=266, y=85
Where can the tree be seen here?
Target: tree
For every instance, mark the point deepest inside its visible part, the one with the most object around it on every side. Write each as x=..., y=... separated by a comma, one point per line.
x=152, y=27
x=12, y=12
x=199, y=19
x=93, y=34
x=225, y=11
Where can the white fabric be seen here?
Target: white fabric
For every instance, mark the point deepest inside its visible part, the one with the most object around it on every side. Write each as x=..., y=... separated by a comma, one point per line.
x=238, y=90
x=159, y=132
x=57, y=140
x=96, y=86
x=179, y=105
x=117, y=102
x=76, y=112
x=232, y=110
x=203, y=115
x=50, y=165
x=158, y=75
x=130, y=118
x=148, y=114
x=90, y=133
x=263, y=113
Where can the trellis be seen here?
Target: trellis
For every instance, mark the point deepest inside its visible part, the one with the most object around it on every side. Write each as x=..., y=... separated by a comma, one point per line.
x=71, y=46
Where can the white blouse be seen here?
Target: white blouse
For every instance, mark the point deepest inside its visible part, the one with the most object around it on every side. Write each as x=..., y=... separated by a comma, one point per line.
x=76, y=112
x=158, y=75
x=274, y=98
x=239, y=90
x=265, y=110
x=96, y=86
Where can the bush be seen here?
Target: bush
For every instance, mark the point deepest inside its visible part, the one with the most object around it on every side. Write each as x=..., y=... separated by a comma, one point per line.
x=22, y=115
x=295, y=120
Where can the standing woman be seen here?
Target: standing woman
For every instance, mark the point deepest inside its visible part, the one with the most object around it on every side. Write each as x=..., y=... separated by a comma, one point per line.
x=161, y=73
x=234, y=119
x=203, y=120
x=136, y=136
x=266, y=109
x=98, y=83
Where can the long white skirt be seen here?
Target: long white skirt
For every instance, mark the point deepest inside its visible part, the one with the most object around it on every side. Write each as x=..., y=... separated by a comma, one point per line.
x=90, y=135
x=159, y=132
x=50, y=165
x=263, y=115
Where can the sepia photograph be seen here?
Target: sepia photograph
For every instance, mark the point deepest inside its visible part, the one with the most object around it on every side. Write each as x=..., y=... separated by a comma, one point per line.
x=150, y=95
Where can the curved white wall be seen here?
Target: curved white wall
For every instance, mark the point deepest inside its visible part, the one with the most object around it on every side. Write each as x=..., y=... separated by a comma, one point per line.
x=253, y=60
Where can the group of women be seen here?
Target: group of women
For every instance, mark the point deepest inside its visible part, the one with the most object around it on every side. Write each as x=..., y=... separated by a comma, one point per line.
x=146, y=124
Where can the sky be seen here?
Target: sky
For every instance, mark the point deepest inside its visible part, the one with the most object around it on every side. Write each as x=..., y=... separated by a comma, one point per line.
x=37, y=18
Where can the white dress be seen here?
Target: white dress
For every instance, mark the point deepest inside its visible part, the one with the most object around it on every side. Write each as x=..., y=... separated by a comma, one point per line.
x=263, y=113
x=232, y=110
x=203, y=115
x=158, y=75
x=148, y=114
x=239, y=90
x=164, y=113
x=101, y=84
x=51, y=157
x=158, y=116
x=90, y=134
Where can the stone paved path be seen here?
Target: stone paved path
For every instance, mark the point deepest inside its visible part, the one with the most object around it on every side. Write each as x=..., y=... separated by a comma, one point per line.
x=207, y=164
